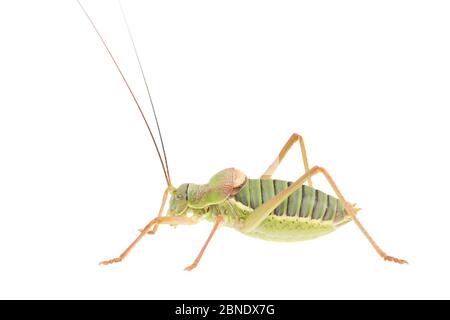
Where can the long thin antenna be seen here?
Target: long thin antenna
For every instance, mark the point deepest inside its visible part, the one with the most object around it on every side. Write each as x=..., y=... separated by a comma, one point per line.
x=146, y=85
x=129, y=89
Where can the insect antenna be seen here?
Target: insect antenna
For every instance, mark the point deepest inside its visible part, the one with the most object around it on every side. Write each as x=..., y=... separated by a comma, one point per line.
x=129, y=89
x=146, y=86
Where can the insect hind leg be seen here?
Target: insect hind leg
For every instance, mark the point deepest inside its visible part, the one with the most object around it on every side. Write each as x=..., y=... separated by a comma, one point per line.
x=352, y=213
x=264, y=210
x=287, y=146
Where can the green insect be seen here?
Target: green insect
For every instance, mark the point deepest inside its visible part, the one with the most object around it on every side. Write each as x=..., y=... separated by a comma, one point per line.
x=264, y=208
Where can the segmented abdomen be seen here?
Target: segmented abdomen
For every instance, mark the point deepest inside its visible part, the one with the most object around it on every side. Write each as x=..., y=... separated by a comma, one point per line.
x=306, y=202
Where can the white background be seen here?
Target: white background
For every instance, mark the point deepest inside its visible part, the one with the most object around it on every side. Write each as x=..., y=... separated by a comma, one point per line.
x=365, y=82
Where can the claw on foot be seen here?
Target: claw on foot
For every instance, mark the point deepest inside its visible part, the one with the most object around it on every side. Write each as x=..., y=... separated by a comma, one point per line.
x=108, y=262
x=191, y=267
x=396, y=260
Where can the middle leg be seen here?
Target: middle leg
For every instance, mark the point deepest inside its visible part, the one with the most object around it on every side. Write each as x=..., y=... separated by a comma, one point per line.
x=217, y=223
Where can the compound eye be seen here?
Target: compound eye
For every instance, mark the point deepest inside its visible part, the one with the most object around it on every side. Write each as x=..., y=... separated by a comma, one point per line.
x=180, y=196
